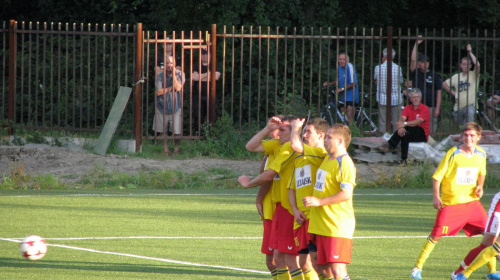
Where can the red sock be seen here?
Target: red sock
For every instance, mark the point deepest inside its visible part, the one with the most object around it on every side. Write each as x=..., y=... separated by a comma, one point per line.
x=470, y=257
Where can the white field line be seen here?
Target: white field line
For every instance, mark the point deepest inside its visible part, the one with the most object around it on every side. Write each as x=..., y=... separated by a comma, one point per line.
x=201, y=194
x=145, y=257
x=18, y=240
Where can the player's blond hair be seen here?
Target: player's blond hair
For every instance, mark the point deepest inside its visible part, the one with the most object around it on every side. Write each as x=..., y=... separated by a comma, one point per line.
x=343, y=131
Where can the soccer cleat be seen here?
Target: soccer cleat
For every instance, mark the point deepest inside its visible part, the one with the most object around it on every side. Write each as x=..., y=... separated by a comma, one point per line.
x=494, y=275
x=416, y=273
x=453, y=276
x=460, y=276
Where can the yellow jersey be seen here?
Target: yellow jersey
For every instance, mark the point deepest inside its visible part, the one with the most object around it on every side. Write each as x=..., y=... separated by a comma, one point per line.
x=458, y=175
x=271, y=148
x=304, y=176
x=335, y=220
x=283, y=165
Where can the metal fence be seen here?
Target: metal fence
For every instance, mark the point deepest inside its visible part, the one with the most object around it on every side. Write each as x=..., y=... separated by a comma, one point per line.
x=64, y=76
x=278, y=71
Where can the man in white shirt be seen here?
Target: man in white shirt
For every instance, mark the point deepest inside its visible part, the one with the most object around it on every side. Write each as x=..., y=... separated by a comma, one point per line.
x=380, y=76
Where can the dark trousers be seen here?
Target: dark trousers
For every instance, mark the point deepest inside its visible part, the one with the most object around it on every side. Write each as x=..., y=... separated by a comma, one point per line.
x=413, y=134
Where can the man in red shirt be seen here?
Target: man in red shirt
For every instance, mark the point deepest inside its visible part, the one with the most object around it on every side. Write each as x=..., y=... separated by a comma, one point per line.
x=413, y=125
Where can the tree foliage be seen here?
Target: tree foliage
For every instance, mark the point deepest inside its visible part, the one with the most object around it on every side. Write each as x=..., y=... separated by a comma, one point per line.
x=199, y=14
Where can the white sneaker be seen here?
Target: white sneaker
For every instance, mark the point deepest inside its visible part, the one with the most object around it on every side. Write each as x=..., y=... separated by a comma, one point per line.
x=416, y=273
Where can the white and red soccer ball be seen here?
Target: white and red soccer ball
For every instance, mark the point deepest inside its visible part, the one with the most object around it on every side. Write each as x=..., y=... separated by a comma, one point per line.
x=33, y=247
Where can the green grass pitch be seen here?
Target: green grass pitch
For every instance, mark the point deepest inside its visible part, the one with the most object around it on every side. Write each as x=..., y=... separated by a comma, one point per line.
x=204, y=234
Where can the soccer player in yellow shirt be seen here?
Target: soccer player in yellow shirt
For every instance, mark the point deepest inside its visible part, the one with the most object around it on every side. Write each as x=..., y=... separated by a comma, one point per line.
x=458, y=186
x=332, y=219
x=311, y=154
x=281, y=170
x=266, y=203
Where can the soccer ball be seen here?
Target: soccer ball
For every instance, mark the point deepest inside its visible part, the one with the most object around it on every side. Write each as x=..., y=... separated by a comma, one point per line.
x=33, y=247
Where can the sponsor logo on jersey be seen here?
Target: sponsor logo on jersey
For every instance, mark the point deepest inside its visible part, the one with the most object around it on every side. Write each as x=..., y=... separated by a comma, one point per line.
x=303, y=177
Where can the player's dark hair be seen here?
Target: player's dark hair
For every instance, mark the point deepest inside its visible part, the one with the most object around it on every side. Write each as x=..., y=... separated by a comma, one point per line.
x=319, y=124
x=288, y=118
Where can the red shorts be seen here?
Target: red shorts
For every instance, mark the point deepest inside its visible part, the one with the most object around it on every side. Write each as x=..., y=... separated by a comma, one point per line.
x=301, y=236
x=333, y=249
x=470, y=217
x=266, y=249
x=282, y=231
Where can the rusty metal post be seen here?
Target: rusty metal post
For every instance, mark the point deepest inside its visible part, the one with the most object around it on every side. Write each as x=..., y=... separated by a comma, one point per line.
x=388, y=116
x=213, y=69
x=12, y=72
x=138, y=87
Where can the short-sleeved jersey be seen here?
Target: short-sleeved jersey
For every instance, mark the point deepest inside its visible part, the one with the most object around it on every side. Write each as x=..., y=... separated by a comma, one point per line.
x=458, y=175
x=268, y=204
x=335, y=220
x=465, y=85
x=304, y=175
x=283, y=165
x=271, y=148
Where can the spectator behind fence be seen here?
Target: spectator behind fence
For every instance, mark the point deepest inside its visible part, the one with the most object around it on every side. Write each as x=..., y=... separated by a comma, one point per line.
x=492, y=103
x=380, y=77
x=168, y=117
x=413, y=126
x=427, y=81
x=347, y=88
x=463, y=86
x=201, y=81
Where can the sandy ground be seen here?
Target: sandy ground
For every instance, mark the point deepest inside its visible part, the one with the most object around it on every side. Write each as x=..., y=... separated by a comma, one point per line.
x=72, y=163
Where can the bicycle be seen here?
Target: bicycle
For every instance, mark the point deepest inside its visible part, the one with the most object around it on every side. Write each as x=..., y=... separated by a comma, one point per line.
x=361, y=119
x=482, y=114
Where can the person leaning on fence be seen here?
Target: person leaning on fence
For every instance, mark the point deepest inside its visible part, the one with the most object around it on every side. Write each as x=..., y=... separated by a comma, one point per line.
x=347, y=88
x=427, y=81
x=413, y=125
x=463, y=87
x=201, y=79
x=380, y=77
x=168, y=92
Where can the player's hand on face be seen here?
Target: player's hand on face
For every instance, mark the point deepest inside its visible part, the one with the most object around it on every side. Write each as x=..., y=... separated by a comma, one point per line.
x=274, y=123
x=244, y=180
x=310, y=201
x=437, y=203
x=297, y=124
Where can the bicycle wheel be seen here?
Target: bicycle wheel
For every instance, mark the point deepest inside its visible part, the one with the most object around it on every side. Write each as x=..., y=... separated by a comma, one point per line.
x=364, y=122
x=325, y=114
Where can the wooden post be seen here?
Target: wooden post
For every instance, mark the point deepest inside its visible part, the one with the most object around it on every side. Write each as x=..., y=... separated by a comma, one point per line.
x=213, y=69
x=138, y=88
